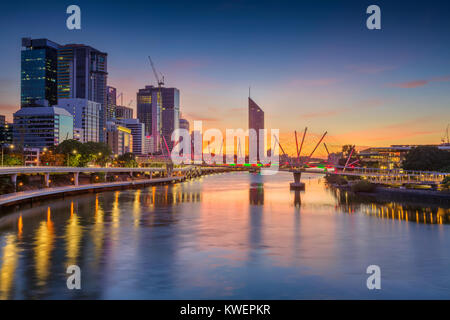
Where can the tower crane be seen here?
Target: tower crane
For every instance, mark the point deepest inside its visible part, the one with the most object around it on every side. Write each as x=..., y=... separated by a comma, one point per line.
x=120, y=95
x=160, y=82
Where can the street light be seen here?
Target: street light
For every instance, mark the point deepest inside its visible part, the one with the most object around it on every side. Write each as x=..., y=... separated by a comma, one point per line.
x=68, y=156
x=11, y=146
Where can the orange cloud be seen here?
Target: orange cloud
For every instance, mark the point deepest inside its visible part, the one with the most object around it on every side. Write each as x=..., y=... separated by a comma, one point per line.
x=419, y=83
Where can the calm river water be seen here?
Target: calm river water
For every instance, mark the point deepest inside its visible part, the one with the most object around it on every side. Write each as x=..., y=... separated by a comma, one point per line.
x=227, y=236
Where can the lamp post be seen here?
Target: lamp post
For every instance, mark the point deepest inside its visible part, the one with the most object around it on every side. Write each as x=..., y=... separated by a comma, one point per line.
x=68, y=156
x=11, y=146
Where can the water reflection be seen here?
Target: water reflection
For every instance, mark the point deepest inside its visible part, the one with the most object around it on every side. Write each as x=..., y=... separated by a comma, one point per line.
x=235, y=235
x=420, y=213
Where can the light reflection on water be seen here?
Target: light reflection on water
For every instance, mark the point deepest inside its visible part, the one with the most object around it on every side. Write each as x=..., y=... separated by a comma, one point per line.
x=236, y=235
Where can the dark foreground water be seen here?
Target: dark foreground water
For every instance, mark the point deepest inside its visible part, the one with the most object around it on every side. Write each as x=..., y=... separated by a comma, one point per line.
x=235, y=235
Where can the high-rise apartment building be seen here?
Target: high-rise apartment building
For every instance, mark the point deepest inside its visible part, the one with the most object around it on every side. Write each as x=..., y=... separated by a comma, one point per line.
x=256, y=122
x=137, y=133
x=38, y=79
x=119, y=138
x=82, y=73
x=111, y=103
x=86, y=118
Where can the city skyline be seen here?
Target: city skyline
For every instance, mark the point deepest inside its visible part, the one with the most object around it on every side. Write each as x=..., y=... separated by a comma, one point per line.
x=369, y=88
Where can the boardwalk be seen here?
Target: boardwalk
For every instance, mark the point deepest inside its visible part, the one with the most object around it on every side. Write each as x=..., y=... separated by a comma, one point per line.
x=175, y=175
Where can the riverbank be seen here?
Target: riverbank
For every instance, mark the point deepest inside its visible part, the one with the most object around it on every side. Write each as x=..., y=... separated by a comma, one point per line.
x=386, y=193
x=29, y=196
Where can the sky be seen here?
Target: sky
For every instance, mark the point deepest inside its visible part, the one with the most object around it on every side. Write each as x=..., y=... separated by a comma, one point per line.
x=308, y=63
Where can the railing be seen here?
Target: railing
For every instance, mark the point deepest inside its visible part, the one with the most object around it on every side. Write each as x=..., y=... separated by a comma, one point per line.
x=394, y=175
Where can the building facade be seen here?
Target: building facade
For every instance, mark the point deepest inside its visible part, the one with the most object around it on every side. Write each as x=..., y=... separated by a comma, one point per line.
x=6, y=132
x=389, y=157
x=123, y=112
x=38, y=79
x=41, y=127
x=138, y=135
x=119, y=138
x=160, y=116
x=82, y=73
x=111, y=95
x=86, y=118
x=184, y=124
x=256, y=122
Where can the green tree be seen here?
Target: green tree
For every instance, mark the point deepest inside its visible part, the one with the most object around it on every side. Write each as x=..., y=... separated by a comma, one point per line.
x=13, y=159
x=96, y=152
x=79, y=154
x=127, y=160
x=427, y=158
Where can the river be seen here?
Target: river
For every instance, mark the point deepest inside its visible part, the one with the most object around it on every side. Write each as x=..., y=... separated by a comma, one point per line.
x=225, y=236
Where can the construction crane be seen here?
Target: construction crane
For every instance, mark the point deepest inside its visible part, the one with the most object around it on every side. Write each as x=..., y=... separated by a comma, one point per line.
x=120, y=95
x=131, y=101
x=160, y=82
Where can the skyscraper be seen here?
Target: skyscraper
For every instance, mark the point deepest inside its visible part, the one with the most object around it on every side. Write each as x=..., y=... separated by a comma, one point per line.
x=160, y=121
x=144, y=98
x=256, y=122
x=111, y=103
x=137, y=133
x=86, y=117
x=170, y=114
x=82, y=73
x=38, y=80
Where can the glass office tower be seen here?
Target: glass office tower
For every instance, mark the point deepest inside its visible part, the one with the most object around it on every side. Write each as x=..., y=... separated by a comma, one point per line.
x=38, y=71
x=82, y=73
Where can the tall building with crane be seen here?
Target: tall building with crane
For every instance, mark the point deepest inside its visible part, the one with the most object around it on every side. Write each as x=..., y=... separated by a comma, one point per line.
x=158, y=108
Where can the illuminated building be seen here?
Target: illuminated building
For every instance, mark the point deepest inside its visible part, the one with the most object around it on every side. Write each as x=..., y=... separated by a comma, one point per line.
x=82, y=73
x=111, y=103
x=38, y=72
x=86, y=116
x=123, y=112
x=119, y=138
x=40, y=127
x=388, y=157
x=138, y=134
x=160, y=120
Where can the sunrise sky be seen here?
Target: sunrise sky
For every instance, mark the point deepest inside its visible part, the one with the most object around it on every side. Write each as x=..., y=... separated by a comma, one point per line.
x=309, y=63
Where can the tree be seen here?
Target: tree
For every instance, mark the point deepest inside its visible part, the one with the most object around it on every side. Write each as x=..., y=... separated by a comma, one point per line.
x=127, y=160
x=346, y=151
x=97, y=152
x=427, y=158
x=79, y=154
x=13, y=159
